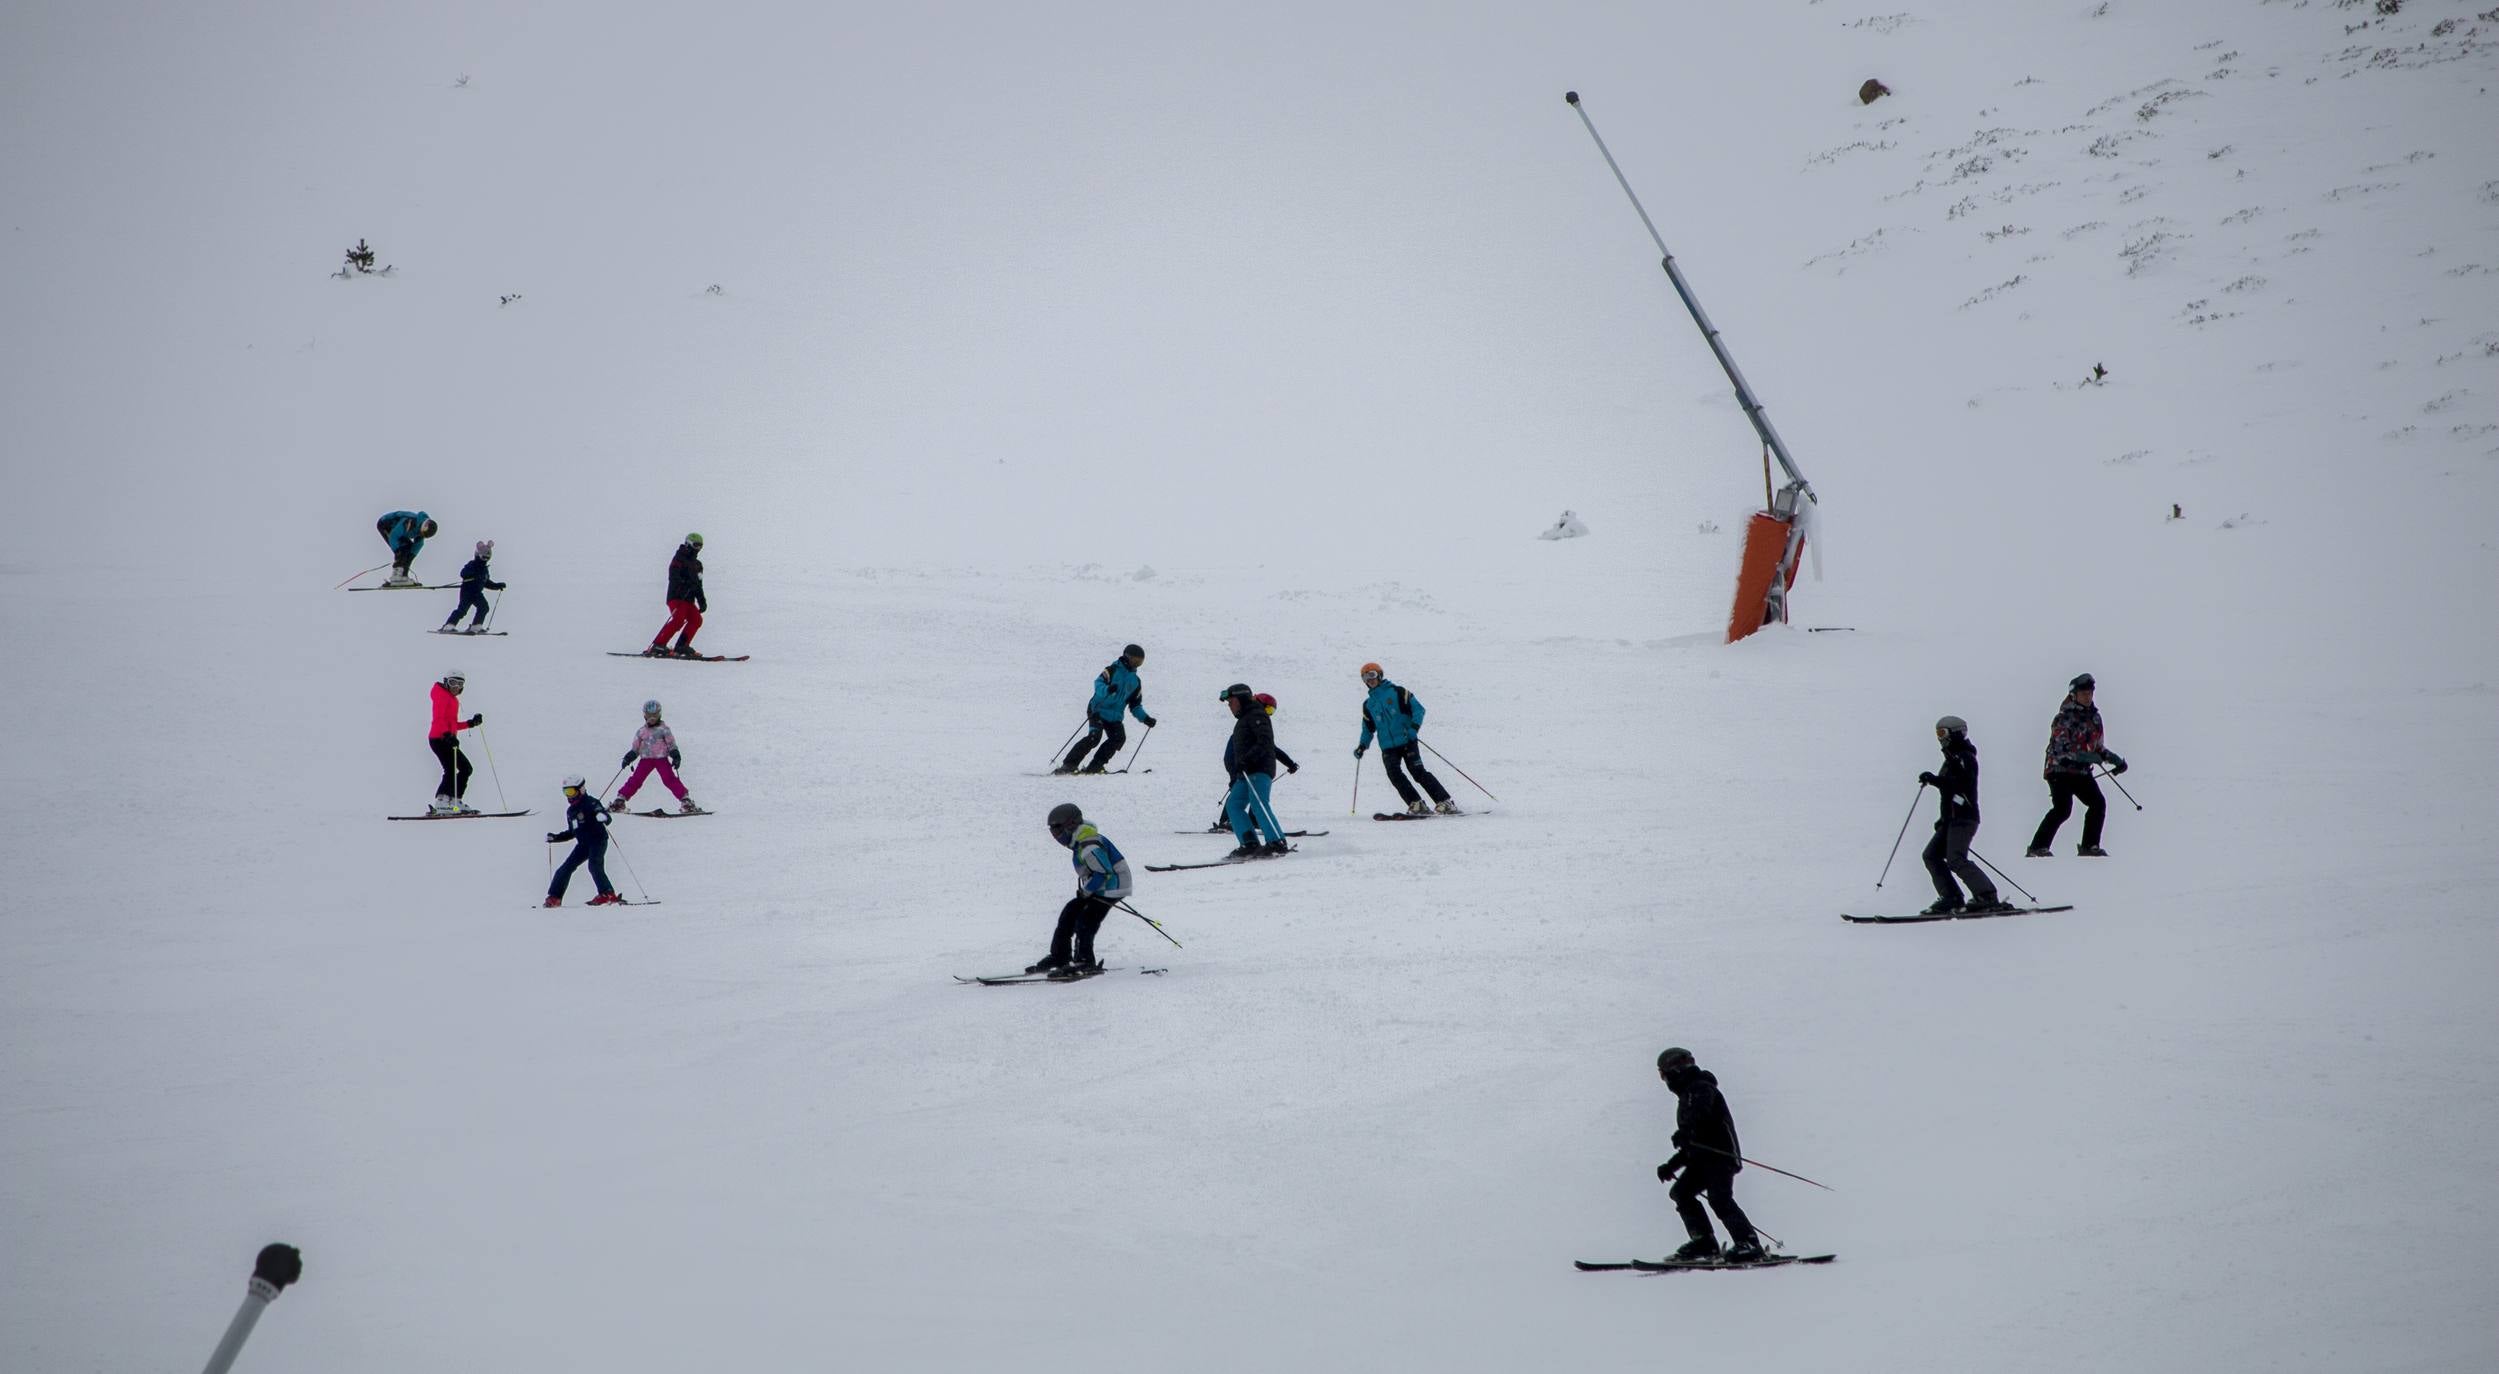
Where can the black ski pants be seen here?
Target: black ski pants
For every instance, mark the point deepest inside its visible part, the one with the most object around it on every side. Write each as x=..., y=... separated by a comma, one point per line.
x=1409, y=756
x=2063, y=790
x=1078, y=921
x=1111, y=734
x=455, y=783
x=473, y=603
x=1948, y=856
x=591, y=850
x=1717, y=1183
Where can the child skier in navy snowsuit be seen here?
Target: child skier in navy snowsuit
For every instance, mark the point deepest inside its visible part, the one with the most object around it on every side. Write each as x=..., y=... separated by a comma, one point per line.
x=474, y=584
x=588, y=820
x=1102, y=880
x=1114, y=688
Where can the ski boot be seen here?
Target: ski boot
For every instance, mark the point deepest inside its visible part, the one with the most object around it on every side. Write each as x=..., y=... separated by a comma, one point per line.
x=552, y=901
x=686, y=806
x=1447, y=807
x=1090, y=770
x=1050, y=964
x=1698, y=1248
x=1276, y=849
x=607, y=899
x=1077, y=968
x=1063, y=770
x=2091, y=851
x=2037, y=851
x=1418, y=807
x=399, y=578
x=1246, y=851
x=685, y=651
x=460, y=806
x=1944, y=906
x=1744, y=1252
x=443, y=805
x=656, y=651
x=1992, y=906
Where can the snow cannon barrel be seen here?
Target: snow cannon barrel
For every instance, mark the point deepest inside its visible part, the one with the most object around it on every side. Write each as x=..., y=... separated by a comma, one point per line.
x=1766, y=538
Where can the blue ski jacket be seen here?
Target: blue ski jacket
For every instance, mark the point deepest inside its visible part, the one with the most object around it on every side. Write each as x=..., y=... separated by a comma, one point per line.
x=1101, y=870
x=1392, y=712
x=399, y=530
x=1117, y=686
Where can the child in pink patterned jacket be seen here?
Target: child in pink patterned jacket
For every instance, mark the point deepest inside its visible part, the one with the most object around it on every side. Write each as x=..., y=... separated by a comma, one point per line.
x=654, y=751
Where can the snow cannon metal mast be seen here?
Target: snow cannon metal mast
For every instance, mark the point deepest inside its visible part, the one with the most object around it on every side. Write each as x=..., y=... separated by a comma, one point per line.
x=1774, y=539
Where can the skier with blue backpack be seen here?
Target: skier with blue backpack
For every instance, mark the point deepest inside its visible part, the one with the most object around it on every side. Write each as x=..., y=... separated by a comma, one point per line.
x=1102, y=881
x=1115, y=688
x=1395, y=716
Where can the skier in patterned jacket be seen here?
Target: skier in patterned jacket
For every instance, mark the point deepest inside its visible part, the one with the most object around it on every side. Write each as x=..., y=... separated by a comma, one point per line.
x=1102, y=880
x=1115, y=688
x=1397, y=717
x=654, y=750
x=2075, y=743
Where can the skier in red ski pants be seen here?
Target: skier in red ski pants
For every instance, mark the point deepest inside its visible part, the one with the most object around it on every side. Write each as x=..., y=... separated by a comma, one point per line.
x=686, y=602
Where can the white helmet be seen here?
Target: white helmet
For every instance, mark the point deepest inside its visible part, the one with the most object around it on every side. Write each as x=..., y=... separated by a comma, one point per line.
x=575, y=782
x=455, y=675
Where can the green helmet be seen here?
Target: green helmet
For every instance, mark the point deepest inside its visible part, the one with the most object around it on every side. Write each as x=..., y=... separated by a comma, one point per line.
x=695, y=539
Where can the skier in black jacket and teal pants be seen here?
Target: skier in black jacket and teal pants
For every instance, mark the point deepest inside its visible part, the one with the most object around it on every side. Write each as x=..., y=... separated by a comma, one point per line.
x=1708, y=1156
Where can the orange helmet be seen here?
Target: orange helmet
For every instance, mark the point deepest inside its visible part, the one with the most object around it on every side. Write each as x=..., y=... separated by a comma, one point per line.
x=1372, y=670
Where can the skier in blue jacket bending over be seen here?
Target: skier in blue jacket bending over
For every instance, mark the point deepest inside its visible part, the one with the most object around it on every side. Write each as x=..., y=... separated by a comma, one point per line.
x=1102, y=880
x=1115, y=688
x=1393, y=713
x=406, y=532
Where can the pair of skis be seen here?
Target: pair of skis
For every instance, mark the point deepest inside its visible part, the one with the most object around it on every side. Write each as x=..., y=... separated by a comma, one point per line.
x=686, y=658
x=1419, y=815
x=1921, y=917
x=1673, y=1266
x=456, y=815
x=1001, y=980
x=1220, y=863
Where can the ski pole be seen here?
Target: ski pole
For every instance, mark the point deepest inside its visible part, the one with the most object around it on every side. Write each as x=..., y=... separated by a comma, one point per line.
x=610, y=789
x=1354, y=808
x=637, y=878
x=2121, y=788
x=374, y=569
x=276, y=1267
x=1133, y=753
x=1771, y=1167
x=1444, y=758
x=490, y=611
x=1071, y=739
x=2004, y=875
x=501, y=801
x=1158, y=926
x=1904, y=831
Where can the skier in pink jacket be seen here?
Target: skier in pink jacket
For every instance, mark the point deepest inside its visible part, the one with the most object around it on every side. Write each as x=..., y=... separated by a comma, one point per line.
x=654, y=750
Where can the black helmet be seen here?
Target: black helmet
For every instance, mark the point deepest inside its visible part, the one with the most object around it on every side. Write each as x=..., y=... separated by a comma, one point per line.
x=1951, y=725
x=1674, y=1057
x=1065, y=816
x=1238, y=689
x=1135, y=651
x=2081, y=683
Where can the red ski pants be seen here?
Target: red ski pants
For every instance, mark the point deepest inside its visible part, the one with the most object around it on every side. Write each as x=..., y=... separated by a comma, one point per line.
x=683, y=621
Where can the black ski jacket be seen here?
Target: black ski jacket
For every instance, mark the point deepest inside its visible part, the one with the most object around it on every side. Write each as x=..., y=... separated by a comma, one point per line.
x=473, y=575
x=685, y=577
x=1958, y=782
x=585, y=820
x=1253, y=747
x=1704, y=1128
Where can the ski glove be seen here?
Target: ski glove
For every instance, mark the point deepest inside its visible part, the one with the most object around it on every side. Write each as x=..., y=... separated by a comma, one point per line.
x=2116, y=764
x=1930, y=780
x=627, y=761
x=1149, y=722
x=552, y=837
x=675, y=760
x=1361, y=749
x=1666, y=1172
x=477, y=720
x=1292, y=768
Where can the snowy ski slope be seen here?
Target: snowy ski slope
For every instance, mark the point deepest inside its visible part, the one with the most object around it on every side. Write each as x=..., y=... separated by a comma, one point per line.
x=1269, y=339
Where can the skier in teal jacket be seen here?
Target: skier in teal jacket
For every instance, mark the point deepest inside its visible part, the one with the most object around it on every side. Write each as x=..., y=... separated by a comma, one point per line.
x=1396, y=717
x=1115, y=688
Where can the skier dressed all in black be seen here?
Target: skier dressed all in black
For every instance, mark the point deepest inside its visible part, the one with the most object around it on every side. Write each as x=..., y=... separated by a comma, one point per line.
x=588, y=832
x=1102, y=880
x=1948, y=854
x=475, y=582
x=1709, y=1157
x=2075, y=743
